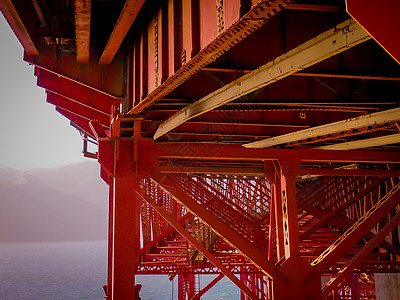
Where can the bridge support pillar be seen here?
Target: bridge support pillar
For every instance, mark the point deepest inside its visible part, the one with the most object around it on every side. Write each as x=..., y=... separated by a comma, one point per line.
x=295, y=278
x=124, y=220
x=186, y=286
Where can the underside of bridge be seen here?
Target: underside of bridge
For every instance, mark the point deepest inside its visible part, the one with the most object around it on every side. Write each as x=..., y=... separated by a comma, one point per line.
x=253, y=139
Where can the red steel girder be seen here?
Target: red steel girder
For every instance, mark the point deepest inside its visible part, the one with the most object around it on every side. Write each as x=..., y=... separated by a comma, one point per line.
x=125, y=227
x=358, y=230
x=108, y=80
x=223, y=211
x=81, y=122
x=79, y=109
x=227, y=152
x=124, y=22
x=344, y=172
x=76, y=92
x=330, y=199
x=361, y=255
x=195, y=243
x=17, y=17
x=235, y=239
x=332, y=214
x=208, y=287
x=161, y=236
x=380, y=20
x=257, y=16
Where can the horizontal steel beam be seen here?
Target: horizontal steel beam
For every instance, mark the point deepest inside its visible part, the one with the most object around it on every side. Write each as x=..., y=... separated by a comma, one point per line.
x=342, y=37
x=387, y=116
x=125, y=20
x=229, y=152
x=13, y=18
x=344, y=172
x=248, y=171
x=367, y=143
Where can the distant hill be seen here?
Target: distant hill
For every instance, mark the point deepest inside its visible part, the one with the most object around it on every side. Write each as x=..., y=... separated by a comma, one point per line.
x=80, y=179
x=61, y=204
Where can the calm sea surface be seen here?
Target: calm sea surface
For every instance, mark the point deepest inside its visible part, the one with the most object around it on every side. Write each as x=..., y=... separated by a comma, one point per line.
x=77, y=270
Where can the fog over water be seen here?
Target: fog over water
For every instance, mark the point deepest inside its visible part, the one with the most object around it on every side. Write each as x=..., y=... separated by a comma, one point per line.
x=34, y=135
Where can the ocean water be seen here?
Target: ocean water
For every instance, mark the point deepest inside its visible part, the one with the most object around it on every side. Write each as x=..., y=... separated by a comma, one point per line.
x=62, y=270
x=78, y=270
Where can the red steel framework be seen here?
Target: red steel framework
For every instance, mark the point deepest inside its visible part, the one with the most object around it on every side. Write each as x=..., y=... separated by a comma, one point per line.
x=252, y=139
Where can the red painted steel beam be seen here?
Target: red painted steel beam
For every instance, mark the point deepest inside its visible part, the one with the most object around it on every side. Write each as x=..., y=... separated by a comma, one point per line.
x=162, y=236
x=332, y=214
x=214, y=152
x=121, y=28
x=381, y=20
x=357, y=230
x=224, y=230
x=79, y=109
x=178, y=227
x=82, y=15
x=16, y=22
x=125, y=222
x=288, y=206
x=347, y=76
x=313, y=7
x=257, y=16
x=208, y=287
x=98, y=129
x=108, y=80
x=361, y=255
x=222, y=209
x=213, y=170
x=76, y=92
x=78, y=120
x=344, y=172
x=330, y=194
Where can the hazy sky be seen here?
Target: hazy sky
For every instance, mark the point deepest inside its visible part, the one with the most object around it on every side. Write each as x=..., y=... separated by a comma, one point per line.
x=33, y=134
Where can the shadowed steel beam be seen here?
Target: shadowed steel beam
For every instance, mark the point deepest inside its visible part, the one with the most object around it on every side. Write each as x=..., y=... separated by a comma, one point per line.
x=14, y=20
x=258, y=15
x=231, y=236
x=162, y=236
x=361, y=255
x=372, y=142
x=330, y=215
x=208, y=287
x=178, y=227
x=344, y=172
x=383, y=26
x=230, y=152
x=125, y=20
x=387, y=116
x=325, y=45
x=249, y=171
x=82, y=11
x=359, y=229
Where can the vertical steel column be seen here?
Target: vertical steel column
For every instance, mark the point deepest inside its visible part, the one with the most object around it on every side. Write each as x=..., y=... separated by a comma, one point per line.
x=110, y=240
x=125, y=221
x=273, y=174
x=186, y=284
x=289, y=207
x=295, y=278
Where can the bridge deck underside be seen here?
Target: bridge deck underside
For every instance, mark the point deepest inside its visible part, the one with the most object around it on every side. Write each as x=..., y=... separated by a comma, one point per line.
x=241, y=137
